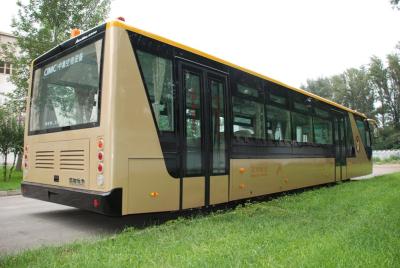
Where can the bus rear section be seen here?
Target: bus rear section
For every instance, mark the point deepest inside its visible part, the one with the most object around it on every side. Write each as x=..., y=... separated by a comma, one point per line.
x=65, y=139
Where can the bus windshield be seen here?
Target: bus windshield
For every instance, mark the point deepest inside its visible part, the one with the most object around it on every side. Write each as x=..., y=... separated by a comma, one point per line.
x=66, y=91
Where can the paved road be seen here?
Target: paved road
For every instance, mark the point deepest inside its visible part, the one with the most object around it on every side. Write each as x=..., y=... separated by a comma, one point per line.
x=29, y=223
x=381, y=170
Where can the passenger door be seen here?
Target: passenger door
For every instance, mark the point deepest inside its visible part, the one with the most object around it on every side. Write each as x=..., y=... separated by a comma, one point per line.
x=340, y=147
x=204, y=178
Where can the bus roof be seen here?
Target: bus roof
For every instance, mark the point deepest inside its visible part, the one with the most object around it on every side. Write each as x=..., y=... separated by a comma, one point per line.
x=121, y=24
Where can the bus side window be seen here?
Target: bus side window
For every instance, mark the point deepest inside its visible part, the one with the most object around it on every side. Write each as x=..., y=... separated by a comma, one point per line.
x=322, y=124
x=248, y=113
x=302, y=120
x=278, y=124
x=361, y=128
x=367, y=134
x=157, y=73
x=351, y=150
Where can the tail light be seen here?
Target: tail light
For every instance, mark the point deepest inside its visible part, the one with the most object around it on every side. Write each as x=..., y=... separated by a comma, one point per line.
x=26, y=157
x=100, y=161
x=100, y=144
x=100, y=156
x=96, y=203
x=100, y=167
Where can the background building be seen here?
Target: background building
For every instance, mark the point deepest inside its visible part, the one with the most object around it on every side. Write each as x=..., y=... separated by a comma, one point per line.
x=5, y=69
x=5, y=85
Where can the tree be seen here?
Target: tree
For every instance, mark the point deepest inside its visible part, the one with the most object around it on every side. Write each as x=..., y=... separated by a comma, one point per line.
x=321, y=86
x=339, y=89
x=17, y=142
x=395, y=4
x=6, y=142
x=386, y=81
x=359, y=92
x=351, y=89
x=41, y=25
x=379, y=79
x=394, y=81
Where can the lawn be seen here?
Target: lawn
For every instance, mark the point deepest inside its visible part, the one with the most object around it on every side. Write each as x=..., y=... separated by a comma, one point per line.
x=13, y=184
x=354, y=224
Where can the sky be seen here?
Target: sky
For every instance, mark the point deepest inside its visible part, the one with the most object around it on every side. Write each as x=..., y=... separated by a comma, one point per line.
x=290, y=41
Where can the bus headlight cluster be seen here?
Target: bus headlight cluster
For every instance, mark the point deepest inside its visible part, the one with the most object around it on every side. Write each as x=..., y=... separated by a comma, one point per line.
x=100, y=163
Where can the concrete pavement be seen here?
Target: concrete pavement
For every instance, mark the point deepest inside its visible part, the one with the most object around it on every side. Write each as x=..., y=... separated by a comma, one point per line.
x=381, y=170
x=28, y=223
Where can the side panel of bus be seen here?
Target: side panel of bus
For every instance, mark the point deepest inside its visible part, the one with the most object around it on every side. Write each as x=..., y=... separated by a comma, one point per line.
x=255, y=177
x=360, y=164
x=138, y=162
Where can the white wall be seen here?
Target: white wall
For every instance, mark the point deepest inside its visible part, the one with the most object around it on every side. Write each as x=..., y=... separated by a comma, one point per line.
x=5, y=85
x=384, y=154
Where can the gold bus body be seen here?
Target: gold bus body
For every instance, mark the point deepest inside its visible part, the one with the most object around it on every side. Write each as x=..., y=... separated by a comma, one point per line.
x=134, y=160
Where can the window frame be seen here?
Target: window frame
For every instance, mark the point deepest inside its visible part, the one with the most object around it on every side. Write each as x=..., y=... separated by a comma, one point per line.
x=87, y=42
x=254, y=83
x=273, y=89
x=174, y=101
x=328, y=116
x=296, y=97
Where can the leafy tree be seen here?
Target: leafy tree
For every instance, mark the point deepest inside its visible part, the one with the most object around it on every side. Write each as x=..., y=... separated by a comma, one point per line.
x=359, y=93
x=351, y=89
x=321, y=86
x=394, y=82
x=389, y=138
x=379, y=79
x=339, y=89
x=41, y=25
x=17, y=143
x=386, y=81
x=6, y=140
x=395, y=4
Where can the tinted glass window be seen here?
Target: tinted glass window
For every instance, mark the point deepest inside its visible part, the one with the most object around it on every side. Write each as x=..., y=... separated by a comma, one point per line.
x=248, y=118
x=361, y=128
x=278, y=123
x=193, y=123
x=302, y=127
x=66, y=91
x=322, y=131
x=368, y=135
x=218, y=127
x=349, y=138
x=278, y=99
x=157, y=72
x=247, y=90
x=300, y=106
x=322, y=113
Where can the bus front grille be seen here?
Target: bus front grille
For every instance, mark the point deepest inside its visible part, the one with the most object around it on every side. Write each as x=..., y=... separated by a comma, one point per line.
x=44, y=159
x=72, y=160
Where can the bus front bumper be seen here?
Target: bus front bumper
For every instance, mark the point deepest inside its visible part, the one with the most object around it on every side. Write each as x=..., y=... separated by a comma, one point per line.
x=107, y=203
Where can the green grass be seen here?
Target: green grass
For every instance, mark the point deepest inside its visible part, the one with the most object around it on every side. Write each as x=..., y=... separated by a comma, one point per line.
x=355, y=224
x=13, y=184
x=390, y=160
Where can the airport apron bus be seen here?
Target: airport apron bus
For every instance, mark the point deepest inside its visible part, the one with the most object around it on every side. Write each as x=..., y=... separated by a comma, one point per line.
x=121, y=121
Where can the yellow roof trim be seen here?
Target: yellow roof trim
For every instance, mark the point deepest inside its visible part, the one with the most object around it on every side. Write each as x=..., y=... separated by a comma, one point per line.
x=117, y=23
